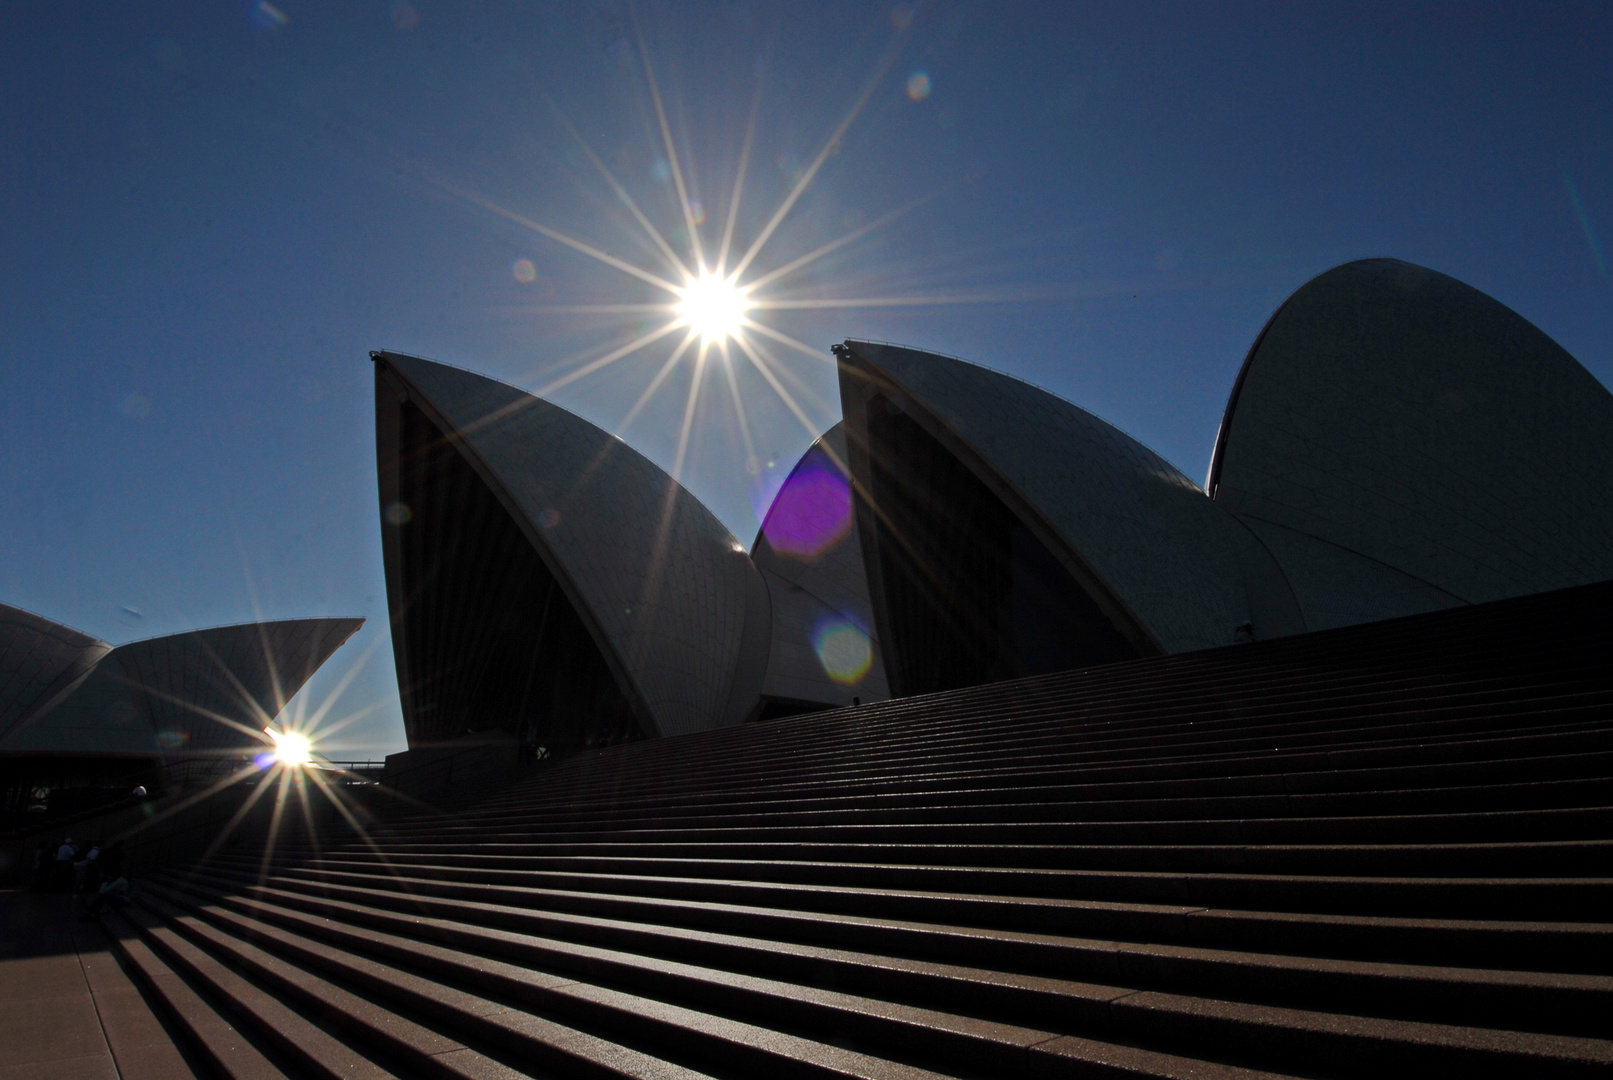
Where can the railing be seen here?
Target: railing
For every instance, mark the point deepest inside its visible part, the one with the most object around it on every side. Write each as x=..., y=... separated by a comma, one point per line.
x=198, y=772
x=173, y=775
x=181, y=773
x=41, y=807
x=353, y=773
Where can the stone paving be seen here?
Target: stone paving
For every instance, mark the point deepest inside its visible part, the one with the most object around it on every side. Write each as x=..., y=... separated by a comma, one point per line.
x=67, y=1010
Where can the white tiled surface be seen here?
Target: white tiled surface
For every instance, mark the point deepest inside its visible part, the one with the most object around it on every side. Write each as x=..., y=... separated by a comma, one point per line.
x=832, y=584
x=1163, y=547
x=38, y=660
x=103, y=715
x=1338, y=587
x=1404, y=416
x=662, y=577
x=227, y=670
x=182, y=683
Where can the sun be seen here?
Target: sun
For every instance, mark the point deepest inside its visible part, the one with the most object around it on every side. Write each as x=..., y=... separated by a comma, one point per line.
x=713, y=307
x=290, y=748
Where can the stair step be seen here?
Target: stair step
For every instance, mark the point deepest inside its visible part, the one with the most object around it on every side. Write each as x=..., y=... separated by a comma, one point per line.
x=730, y=1043
x=1589, y=858
x=1285, y=1035
x=1584, y=899
x=1554, y=1003
x=231, y=1053
x=312, y=1048
x=1386, y=849
x=530, y=1037
x=1583, y=948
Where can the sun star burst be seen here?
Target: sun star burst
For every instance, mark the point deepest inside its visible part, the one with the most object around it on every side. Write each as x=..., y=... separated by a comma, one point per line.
x=713, y=307
x=716, y=313
x=290, y=747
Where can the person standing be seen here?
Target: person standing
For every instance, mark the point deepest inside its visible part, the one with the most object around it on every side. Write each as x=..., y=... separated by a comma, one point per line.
x=44, y=863
x=529, y=743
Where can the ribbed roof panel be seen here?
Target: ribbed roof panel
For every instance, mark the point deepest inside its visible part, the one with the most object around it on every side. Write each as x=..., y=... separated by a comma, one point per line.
x=1143, y=528
x=809, y=555
x=1408, y=418
x=197, y=691
x=658, y=576
x=39, y=661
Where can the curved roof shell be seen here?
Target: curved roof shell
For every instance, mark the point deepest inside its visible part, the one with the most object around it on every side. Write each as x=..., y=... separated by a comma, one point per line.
x=824, y=645
x=40, y=661
x=1394, y=430
x=203, y=691
x=664, y=589
x=1165, y=564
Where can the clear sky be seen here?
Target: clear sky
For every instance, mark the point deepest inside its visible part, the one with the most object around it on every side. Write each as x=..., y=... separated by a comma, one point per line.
x=212, y=211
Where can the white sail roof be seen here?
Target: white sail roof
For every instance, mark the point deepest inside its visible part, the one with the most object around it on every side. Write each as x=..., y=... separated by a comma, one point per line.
x=825, y=647
x=40, y=661
x=668, y=593
x=197, y=691
x=1393, y=423
x=1170, y=560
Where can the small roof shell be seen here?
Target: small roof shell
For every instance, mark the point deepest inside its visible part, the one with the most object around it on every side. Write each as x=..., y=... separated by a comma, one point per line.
x=666, y=591
x=809, y=554
x=1164, y=563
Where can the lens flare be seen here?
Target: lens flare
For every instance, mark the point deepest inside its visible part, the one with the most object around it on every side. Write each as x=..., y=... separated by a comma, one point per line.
x=712, y=307
x=290, y=748
x=843, y=649
x=265, y=16
x=812, y=512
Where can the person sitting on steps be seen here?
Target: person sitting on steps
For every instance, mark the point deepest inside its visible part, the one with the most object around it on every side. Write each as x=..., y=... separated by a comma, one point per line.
x=116, y=890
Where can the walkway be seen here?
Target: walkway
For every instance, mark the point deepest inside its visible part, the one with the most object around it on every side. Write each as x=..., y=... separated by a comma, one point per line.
x=67, y=1010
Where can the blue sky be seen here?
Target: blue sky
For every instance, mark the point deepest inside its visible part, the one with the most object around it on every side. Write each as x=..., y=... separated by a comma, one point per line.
x=213, y=211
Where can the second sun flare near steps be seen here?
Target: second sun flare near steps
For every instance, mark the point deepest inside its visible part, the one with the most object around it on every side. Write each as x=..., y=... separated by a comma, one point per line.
x=1384, y=850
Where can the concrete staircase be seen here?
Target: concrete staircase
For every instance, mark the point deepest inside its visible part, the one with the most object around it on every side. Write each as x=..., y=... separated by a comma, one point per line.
x=1385, y=849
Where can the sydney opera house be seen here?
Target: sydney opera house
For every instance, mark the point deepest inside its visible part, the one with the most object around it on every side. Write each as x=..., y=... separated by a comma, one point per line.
x=77, y=713
x=1396, y=442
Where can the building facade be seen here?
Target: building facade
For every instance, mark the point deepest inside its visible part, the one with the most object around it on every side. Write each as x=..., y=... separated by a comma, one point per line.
x=201, y=691
x=1402, y=442
x=82, y=722
x=1396, y=442
x=825, y=649
x=541, y=570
